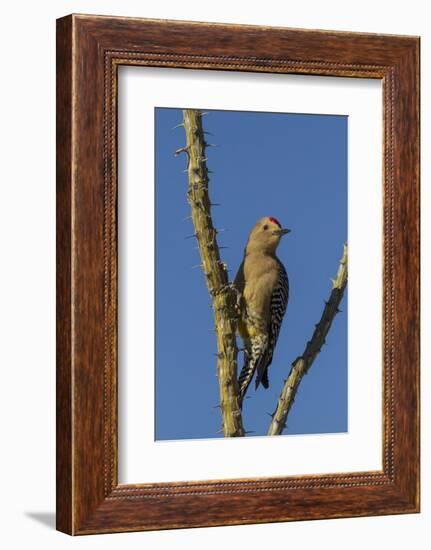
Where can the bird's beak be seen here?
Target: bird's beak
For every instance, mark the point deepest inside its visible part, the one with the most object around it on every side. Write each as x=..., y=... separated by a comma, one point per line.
x=281, y=232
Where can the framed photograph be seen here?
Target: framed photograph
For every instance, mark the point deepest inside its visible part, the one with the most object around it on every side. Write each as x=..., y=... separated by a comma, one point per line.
x=237, y=274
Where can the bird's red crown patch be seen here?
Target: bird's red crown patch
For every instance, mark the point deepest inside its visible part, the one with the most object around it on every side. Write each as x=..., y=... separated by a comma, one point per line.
x=274, y=220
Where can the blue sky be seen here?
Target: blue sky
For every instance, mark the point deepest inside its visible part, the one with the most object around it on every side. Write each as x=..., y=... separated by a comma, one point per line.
x=292, y=167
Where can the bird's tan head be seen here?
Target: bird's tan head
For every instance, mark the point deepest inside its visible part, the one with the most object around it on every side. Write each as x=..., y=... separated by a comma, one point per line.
x=265, y=236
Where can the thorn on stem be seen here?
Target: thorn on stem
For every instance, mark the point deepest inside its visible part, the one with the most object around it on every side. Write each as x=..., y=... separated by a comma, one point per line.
x=181, y=150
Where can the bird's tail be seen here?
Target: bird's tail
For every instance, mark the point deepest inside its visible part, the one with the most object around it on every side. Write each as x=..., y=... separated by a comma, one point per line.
x=254, y=357
x=245, y=375
x=262, y=378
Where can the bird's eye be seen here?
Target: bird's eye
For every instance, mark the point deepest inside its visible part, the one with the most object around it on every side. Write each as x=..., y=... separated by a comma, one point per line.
x=265, y=227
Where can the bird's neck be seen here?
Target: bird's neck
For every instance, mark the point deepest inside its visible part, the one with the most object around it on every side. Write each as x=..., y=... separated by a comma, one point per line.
x=256, y=252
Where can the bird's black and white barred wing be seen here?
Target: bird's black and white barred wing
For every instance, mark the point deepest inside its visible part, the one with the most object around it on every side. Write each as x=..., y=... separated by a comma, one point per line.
x=279, y=300
x=278, y=305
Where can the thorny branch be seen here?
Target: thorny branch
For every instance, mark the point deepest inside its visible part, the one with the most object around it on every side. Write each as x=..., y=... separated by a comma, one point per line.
x=215, y=271
x=302, y=364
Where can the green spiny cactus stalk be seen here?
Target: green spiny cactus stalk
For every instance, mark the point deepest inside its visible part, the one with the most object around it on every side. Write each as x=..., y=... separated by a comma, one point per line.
x=302, y=364
x=222, y=293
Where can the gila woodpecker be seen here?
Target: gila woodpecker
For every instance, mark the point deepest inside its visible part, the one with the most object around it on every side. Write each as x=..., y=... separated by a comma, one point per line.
x=263, y=291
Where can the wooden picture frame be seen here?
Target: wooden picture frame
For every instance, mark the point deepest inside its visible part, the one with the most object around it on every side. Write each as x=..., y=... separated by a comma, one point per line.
x=89, y=51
